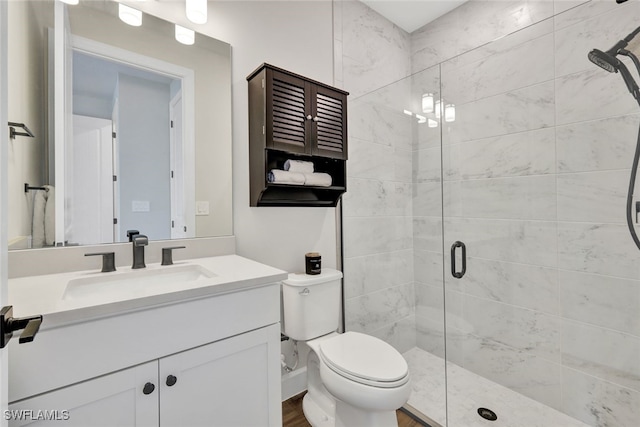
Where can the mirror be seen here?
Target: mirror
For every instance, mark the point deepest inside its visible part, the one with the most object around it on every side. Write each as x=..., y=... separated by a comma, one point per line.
x=132, y=129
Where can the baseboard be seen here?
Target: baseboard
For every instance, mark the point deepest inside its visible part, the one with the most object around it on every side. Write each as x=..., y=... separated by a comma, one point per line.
x=294, y=383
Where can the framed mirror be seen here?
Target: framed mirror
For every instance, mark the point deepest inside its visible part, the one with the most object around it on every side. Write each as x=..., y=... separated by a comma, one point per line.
x=132, y=129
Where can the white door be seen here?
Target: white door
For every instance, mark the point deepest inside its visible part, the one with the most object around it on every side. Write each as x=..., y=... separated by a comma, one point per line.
x=127, y=398
x=178, y=217
x=91, y=185
x=4, y=208
x=233, y=382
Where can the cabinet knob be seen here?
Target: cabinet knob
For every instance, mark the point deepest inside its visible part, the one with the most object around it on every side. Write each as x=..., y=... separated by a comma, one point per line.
x=309, y=117
x=171, y=380
x=148, y=388
x=315, y=119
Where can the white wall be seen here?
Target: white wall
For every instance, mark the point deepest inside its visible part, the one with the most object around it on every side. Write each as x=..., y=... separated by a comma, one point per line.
x=26, y=95
x=295, y=35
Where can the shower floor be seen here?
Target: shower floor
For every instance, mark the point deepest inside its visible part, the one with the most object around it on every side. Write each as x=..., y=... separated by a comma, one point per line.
x=468, y=392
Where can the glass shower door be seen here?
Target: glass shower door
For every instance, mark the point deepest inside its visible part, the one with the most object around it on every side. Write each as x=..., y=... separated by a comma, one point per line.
x=427, y=359
x=501, y=234
x=540, y=326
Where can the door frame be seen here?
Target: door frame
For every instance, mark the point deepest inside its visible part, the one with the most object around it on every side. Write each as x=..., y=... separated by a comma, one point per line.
x=187, y=78
x=4, y=208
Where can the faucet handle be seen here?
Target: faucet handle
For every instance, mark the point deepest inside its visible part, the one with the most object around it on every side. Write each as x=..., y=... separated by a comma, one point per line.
x=140, y=240
x=108, y=261
x=167, y=254
x=131, y=234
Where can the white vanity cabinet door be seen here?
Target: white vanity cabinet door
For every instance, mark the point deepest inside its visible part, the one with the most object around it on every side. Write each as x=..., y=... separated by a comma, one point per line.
x=232, y=382
x=112, y=400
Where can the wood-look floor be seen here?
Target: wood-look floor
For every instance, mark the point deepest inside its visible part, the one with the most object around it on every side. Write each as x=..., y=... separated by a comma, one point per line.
x=292, y=415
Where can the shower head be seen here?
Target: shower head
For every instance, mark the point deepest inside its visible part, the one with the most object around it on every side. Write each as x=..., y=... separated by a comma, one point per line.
x=604, y=60
x=608, y=61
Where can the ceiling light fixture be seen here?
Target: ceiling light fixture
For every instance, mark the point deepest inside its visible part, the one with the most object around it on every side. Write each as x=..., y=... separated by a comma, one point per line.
x=70, y=1
x=421, y=119
x=185, y=35
x=197, y=11
x=432, y=123
x=450, y=113
x=437, y=108
x=129, y=15
x=427, y=103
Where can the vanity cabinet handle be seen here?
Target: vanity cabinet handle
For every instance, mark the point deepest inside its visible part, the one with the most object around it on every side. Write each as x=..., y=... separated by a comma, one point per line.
x=171, y=380
x=148, y=388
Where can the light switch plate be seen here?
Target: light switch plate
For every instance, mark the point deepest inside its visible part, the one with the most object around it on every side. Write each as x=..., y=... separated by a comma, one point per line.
x=140, y=206
x=202, y=208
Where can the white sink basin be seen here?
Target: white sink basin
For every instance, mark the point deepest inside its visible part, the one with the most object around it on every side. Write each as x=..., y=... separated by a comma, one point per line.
x=134, y=282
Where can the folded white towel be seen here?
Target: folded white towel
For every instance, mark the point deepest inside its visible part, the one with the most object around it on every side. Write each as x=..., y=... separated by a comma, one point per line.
x=277, y=176
x=298, y=166
x=50, y=216
x=317, y=179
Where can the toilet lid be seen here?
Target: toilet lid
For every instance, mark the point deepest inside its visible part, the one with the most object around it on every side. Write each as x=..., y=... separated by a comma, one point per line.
x=363, y=357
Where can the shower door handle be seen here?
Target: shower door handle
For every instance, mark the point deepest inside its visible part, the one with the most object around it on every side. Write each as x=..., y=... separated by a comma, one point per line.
x=454, y=273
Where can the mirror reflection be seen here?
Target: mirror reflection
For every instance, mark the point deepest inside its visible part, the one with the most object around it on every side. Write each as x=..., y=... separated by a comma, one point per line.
x=132, y=128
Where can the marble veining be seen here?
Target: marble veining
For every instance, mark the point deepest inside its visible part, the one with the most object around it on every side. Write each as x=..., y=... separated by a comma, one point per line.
x=519, y=110
x=520, y=66
x=573, y=42
x=593, y=196
x=373, y=311
x=516, y=154
x=466, y=392
x=596, y=145
x=605, y=249
x=523, y=285
x=591, y=94
x=371, y=273
x=599, y=403
x=609, y=302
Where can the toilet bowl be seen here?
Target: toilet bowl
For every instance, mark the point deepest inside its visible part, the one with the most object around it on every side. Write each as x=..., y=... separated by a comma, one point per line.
x=353, y=379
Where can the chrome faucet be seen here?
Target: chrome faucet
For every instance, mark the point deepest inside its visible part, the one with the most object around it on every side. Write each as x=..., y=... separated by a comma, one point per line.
x=139, y=242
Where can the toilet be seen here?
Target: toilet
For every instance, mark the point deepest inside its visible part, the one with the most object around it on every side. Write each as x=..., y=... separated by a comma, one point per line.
x=353, y=379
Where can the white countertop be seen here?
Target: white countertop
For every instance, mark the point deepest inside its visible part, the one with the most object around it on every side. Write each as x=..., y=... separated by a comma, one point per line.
x=46, y=294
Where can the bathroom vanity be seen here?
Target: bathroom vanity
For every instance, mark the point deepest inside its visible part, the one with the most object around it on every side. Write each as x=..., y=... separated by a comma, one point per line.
x=195, y=343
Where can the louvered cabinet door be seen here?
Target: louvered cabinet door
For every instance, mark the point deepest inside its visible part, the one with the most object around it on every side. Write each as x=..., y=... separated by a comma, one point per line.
x=329, y=127
x=288, y=105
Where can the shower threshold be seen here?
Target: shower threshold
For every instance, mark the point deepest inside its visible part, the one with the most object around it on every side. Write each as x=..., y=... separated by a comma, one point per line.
x=467, y=393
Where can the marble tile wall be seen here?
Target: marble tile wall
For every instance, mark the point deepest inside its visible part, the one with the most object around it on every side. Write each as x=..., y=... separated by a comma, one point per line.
x=532, y=176
x=377, y=209
x=536, y=169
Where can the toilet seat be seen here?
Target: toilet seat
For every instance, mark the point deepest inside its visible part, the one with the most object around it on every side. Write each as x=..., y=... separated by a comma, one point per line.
x=364, y=359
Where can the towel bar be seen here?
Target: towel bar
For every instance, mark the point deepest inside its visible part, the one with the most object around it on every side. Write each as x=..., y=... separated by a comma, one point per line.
x=27, y=188
x=13, y=133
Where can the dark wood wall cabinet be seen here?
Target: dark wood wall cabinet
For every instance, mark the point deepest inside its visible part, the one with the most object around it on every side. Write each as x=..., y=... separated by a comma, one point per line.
x=295, y=118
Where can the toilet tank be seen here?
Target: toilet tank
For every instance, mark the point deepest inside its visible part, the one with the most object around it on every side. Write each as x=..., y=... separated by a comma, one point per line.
x=311, y=304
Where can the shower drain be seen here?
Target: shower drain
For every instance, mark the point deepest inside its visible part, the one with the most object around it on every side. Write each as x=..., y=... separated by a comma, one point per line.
x=487, y=414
